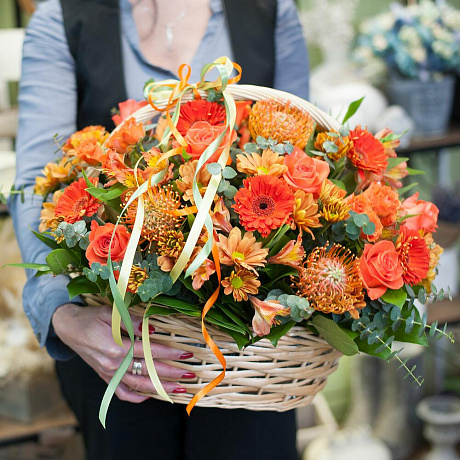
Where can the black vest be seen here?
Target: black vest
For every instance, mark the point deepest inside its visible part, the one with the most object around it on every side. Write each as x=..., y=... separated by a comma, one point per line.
x=93, y=33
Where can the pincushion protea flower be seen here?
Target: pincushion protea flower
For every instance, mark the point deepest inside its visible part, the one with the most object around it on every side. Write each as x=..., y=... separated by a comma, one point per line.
x=156, y=221
x=264, y=203
x=240, y=283
x=265, y=313
x=414, y=256
x=281, y=122
x=241, y=250
x=367, y=153
x=200, y=110
x=76, y=202
x=269, y=162
x=329, y=280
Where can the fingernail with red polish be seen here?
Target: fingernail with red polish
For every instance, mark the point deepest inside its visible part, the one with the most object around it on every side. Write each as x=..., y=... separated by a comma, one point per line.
x=186, y=356
x=151, y=329
x=179, y=390
x=140, y=328
x=188, y=375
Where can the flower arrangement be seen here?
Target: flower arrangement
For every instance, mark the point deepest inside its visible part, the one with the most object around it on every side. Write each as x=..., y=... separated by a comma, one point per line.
x=419, y=41
x=247, y=214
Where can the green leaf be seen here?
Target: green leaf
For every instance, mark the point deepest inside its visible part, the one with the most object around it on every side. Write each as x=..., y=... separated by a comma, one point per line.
x=106, y=194
x=214, y=168
x=38, y=267
x=228, y=172
x=352, y=109
x=240, y=339
x=338, y=183
x=179, y=305
x=393, y=162
x=334, y=335
x=48, y=241
x=278, y=331
x=58, y=261
x=395, y=297
x=404, y=190
x=415, y=172
x=81, y=285
x=372, y=349
x=235, y=318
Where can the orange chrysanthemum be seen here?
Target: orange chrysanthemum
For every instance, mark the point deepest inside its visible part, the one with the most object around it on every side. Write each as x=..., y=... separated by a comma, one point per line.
x=64, y=171
x=137, y=276
x=269, y=162
x=334, y=207
x=200, y=110
x=330, y=280
x=305, y=215
x=169, y=246
x=385, y=202
x=343, y=144
x=76, y=202
x=48, y=217
x=240, y=283
x=413, y=255
x=157, y=200
x=281, y=122
x=243, y=251
x=185, y=183
x=96, y=132
x=264, y=203
x=127, y=136
x=435, y=254
x=367, y=153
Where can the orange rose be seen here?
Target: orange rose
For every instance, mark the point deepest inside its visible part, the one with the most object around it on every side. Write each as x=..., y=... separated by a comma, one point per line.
x=380, y=269
x=90, y=152
x=385, y=202
x=130, y=133
x=242, y=111
x=304, y=172
x=202, y=134
x=99, y=242
x=362, y=205
x=127, y=108
x=425, y=214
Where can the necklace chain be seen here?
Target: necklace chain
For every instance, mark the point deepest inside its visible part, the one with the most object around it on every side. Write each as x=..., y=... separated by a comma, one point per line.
x=170, y=26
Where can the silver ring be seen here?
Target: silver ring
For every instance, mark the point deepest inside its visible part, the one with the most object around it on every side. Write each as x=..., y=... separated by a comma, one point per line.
x=137, y=367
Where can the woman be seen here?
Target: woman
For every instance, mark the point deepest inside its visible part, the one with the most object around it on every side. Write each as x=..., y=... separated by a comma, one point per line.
x=82, y=57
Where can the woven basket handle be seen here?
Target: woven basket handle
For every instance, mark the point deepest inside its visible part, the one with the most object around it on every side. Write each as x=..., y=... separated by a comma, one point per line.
x=324, y=121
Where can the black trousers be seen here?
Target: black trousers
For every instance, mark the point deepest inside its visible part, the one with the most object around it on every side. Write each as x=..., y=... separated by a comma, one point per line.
x=162, y=431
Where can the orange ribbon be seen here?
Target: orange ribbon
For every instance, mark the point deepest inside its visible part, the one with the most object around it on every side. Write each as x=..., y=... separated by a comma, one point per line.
x=218, y=354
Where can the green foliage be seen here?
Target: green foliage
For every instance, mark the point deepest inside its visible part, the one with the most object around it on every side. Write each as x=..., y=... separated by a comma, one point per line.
x=395, y=297
x=81, y=285
x=73, y=234
x=300, y=307
x=355, y=223
x=58, y=261
x=156, y=283
x=352, y=109
x=334, y=335
x=263, y=144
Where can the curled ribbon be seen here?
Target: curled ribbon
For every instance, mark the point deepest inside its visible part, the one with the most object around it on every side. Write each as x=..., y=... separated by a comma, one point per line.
x=173, y=91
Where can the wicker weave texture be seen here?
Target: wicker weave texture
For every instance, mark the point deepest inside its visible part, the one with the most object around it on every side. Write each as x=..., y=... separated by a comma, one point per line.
x=260, y=377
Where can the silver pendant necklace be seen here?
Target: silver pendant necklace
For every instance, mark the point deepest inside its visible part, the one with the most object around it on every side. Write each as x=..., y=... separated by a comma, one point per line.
x=169, y=28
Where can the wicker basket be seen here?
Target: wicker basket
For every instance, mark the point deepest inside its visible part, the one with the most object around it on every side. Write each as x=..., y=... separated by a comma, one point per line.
x=260, y=377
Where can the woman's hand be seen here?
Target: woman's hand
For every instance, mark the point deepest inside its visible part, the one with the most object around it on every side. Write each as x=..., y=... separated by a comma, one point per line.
x=88, y=332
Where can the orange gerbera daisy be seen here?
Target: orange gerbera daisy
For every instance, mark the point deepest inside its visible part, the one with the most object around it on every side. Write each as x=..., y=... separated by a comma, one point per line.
x=305, y=215
x=243, y=251
x=185, y=183
x=413, y=255
x=329, y=280
x=264, y=203
x=281, y=122
x=76, y=202
x=200, y=110
x=367, y=153
x=241, y=283
x=269, y=162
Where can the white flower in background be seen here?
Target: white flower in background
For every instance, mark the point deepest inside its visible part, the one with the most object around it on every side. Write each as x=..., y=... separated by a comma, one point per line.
x=379, y=42
x=409, y=35
x=444, y=50
x=418, y=53
x=387, y=20
x=451, y=17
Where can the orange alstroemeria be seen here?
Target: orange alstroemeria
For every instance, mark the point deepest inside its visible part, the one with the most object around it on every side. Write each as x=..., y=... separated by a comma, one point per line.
x=265, y=313
x=221, y=216
x=292, y=254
